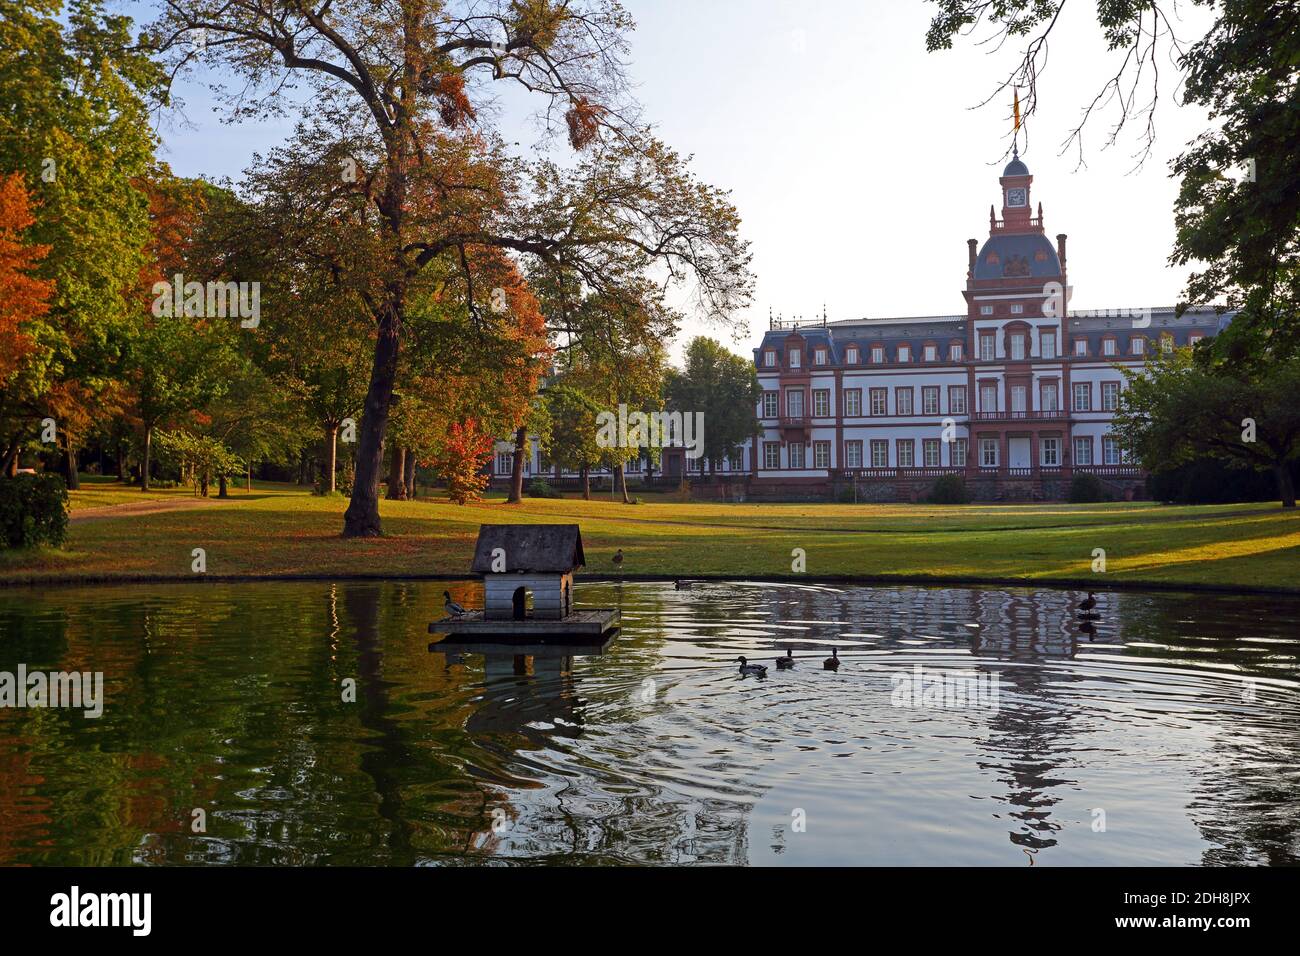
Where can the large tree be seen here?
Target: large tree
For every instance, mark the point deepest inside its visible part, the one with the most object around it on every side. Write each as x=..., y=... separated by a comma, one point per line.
x=76, y=91
x=399, y=87
x=1176, y=410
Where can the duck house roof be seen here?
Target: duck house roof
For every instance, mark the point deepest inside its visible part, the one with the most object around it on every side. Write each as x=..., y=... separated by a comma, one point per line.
x=529, y=548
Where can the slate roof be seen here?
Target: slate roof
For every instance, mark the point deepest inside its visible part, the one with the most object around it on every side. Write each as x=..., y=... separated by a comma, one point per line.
x=530, y=548
x=1026, y=247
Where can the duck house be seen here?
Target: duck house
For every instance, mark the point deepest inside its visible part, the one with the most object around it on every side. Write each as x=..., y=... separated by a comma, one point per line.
x=527, y=572
x=519, y=561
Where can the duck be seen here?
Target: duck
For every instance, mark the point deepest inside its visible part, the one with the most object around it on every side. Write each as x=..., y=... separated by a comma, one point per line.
x=618, y=559
x=680, y=585
x=1089, y=603
x=758, y=670
x=450, y=606
x=785, y=663
x=832, y=663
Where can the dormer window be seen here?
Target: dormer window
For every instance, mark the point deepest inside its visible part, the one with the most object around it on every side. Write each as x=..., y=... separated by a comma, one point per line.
x=1080, y=346
x=1166, y=343
x=851, y=355
x=1138, y=345
x=1108, y=347
x=819, y=357
x=931, y=353
x=794, y=358
x=878, y=354
x=954, y=352
x=904, y=353
x=769, y=359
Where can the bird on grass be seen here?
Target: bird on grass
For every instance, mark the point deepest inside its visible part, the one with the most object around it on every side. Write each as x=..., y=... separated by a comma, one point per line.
x=618, y=559
x=758, y=670
x=832, y=663
x=450, y=606
x=785, y=663
x=1089, y=603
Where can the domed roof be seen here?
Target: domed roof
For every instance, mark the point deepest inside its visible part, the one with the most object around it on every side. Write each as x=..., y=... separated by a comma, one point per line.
x=1027, y=255
x=1016, y=168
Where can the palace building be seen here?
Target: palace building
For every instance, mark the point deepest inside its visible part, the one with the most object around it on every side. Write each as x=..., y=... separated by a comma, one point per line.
x=1015, y=394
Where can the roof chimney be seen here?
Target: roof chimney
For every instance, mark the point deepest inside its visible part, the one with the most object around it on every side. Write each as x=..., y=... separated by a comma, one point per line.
x=1060, y=248
x=970, y=245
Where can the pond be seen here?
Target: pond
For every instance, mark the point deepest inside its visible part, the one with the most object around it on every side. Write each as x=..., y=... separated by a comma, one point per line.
x=964, y=726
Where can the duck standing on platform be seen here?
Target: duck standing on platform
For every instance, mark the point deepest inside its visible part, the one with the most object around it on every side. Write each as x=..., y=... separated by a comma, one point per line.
x=785, y=663
x=757, y=670
x=832, y=663
x=450, y=606
x=1088, y=603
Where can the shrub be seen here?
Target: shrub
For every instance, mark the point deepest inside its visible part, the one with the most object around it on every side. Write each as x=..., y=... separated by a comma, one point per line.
x=1086, y=489
x=33, y=511
x=950, y=490
x=540, y=488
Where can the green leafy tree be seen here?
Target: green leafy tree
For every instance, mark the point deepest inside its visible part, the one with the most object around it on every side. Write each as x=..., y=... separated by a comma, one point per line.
x=571, y=437
x=724, y=387
x=1176, y=410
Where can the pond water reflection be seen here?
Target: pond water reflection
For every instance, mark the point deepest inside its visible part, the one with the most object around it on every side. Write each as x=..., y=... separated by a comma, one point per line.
x=1167, y=732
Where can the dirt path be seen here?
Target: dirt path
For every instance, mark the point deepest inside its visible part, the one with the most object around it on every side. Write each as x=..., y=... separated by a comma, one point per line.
x=133, y=508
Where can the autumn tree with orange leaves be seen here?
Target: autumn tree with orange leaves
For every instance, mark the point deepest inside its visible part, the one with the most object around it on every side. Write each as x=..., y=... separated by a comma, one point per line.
x=22, y=295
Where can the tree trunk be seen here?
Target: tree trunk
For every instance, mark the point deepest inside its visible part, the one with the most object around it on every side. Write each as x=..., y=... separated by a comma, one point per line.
x=221, y=486
x=331, y=457
x=250, y=476
x=121, y=463
x=517, y=475
x=361, y=520
x=1285, y=486
x=148, y=449
x=621, y=476
x=410, y=475
x=586, y=483
x=397, y=474
x=74, y=480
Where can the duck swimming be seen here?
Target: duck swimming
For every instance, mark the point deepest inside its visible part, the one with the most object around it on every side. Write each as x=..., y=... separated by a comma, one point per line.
x=680, y=585
x=758, y=670
x=785, y=663
x=451, y=607
x=832, y=663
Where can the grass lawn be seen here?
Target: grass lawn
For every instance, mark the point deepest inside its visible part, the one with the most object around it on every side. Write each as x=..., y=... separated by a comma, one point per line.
x=283, y=530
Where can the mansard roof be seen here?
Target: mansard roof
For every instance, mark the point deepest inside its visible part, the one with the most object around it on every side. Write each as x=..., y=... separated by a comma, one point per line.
x=1030, y=255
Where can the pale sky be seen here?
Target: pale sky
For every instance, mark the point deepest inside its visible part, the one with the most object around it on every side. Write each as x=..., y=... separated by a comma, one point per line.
x=857, y=160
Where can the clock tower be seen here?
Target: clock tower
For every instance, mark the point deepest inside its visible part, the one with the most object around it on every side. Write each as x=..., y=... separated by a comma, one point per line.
x=1015, y=194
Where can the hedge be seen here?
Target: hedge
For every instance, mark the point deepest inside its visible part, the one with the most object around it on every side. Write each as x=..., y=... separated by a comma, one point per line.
x=33, y=511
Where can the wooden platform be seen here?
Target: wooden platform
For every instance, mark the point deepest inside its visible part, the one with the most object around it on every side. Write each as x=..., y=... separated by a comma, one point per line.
x=585, y=625
x=560, y=647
